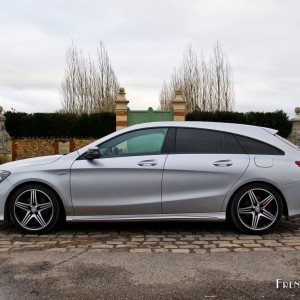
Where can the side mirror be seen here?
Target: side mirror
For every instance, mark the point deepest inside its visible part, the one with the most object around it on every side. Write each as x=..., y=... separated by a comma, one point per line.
x=93, y=153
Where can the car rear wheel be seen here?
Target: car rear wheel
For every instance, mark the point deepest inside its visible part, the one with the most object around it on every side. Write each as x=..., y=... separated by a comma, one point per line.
x=256, y=208
x=34, y=209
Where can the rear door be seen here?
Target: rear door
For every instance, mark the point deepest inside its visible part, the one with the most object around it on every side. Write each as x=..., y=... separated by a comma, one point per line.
x=200, y=172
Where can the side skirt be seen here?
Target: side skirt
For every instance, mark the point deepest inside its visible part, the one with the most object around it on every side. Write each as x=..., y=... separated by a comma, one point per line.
x=207, y=217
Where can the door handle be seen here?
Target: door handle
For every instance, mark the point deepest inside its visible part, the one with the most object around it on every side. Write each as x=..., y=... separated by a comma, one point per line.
x=147, y=163
x=223, y=163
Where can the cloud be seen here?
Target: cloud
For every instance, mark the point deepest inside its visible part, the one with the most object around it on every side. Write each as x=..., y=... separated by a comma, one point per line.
x=145, y=41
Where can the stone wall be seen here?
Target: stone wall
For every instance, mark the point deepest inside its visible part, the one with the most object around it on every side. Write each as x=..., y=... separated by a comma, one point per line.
x=79, y=143
x=26, y=148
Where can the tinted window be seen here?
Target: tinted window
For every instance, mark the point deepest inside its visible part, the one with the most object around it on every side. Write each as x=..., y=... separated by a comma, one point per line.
x=135, y=143
x=231, y=145
x=189, y=140
x=252, y=146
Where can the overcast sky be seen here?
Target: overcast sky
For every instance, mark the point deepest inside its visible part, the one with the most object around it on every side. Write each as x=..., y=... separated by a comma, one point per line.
x=145, y=41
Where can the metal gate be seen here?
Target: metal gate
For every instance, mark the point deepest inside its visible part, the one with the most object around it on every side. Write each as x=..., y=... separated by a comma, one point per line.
x=150, y=115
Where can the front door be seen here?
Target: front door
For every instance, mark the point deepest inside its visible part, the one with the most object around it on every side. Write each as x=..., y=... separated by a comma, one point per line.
x=125, y=180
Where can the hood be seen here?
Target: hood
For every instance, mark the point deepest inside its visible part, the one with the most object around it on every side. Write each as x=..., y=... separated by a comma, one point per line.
x=43, y=160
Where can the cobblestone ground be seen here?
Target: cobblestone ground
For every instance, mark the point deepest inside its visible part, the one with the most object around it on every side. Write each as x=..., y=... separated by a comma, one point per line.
x=176, y=237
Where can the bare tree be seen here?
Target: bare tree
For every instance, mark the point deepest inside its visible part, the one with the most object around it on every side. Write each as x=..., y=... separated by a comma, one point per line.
x=165, y=97
x=88, y=86
x=222, y=80
x=190, y=79
x=207, y=86
x=167, y=94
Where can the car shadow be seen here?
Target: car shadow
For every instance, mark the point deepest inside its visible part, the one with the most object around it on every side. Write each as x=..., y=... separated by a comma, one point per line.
x=165, y=228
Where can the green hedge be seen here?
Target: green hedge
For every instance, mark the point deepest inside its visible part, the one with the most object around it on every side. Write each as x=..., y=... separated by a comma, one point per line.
x=278, y=120
x=57, y=125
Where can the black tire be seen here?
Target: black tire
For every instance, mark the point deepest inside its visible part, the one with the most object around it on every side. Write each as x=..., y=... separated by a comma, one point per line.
x=256, y=208
x=34, y=209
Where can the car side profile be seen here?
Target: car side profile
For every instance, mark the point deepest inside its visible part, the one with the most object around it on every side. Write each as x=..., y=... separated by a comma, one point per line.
x=201, y=171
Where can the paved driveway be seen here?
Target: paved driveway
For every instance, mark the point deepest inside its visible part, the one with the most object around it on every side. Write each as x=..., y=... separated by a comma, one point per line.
x=152, y=237
x=187, y=261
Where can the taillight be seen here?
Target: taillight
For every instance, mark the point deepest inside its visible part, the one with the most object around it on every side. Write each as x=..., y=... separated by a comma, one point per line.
x=297, y=163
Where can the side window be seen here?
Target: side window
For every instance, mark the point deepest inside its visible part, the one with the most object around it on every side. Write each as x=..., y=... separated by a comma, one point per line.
x=138, y=142
x=190, y=140
x=231, y=145
x=252, y=146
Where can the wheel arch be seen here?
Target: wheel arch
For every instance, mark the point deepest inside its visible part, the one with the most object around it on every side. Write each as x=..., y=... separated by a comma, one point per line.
x=284, y=204
x=61, y=206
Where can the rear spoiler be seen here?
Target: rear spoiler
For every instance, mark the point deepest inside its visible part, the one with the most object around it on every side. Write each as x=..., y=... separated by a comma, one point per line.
x=270, y=130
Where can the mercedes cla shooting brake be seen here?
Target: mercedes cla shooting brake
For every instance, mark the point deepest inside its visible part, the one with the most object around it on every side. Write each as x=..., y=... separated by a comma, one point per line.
x=201, y=171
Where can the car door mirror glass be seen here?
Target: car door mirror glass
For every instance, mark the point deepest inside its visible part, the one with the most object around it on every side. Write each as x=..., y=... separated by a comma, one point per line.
x=93, y=153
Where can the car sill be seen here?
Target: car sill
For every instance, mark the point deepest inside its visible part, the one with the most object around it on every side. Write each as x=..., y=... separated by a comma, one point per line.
x=207, y=217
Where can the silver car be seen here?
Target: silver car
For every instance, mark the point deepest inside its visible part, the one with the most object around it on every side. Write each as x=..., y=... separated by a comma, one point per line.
x=201, y=171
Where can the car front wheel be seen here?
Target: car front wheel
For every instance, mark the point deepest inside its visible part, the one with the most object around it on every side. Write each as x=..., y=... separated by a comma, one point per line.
x=34, y=209
x=256, y=208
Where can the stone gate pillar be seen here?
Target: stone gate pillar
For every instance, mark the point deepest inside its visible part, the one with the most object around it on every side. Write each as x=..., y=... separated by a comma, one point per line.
x=294, y=137
x=121, y=110
x=5, y=140
x=179, y=106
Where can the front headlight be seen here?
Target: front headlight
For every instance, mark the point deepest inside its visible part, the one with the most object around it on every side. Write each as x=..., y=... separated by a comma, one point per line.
x=4, y=175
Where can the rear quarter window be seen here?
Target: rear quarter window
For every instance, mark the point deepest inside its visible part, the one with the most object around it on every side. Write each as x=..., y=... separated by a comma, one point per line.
x=252, y=146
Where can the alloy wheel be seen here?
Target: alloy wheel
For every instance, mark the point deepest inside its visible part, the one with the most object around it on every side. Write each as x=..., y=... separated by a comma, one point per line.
x=257, y=209
x=34, y=209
